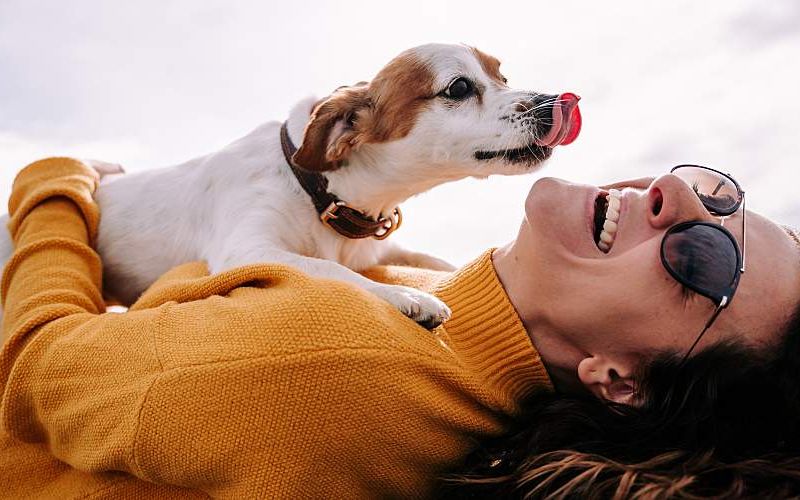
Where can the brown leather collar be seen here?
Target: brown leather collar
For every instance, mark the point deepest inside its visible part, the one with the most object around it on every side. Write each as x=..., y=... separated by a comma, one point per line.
x=332, y=211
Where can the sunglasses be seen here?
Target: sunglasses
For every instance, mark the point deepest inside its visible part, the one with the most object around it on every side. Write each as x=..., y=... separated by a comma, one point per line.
x=704, y=256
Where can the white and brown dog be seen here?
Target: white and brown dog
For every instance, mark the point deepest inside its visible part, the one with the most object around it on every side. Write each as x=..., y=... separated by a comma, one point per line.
x=434, y=114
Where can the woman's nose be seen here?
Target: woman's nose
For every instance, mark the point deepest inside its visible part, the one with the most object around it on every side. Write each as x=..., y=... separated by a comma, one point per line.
x=671, y=200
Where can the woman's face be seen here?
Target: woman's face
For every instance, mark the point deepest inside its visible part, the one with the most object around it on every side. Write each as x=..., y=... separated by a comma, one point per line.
x=602, y=313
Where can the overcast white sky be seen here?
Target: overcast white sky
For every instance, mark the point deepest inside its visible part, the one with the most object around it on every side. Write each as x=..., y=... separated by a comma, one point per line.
x=155, y=82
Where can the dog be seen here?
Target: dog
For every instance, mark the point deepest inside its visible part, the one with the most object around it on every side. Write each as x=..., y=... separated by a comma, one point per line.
x=321, y=191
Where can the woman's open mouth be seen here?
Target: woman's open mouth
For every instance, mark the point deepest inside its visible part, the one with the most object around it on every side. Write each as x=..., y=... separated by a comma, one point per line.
x=606, y=217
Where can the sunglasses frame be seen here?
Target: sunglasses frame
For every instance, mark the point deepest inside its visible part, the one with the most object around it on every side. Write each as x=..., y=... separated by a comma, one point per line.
x=721, y=300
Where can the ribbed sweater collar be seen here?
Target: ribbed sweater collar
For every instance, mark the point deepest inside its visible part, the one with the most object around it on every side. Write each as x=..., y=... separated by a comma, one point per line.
x=487, y=334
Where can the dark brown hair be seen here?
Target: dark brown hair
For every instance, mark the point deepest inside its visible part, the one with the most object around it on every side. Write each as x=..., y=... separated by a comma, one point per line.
x=726, y=423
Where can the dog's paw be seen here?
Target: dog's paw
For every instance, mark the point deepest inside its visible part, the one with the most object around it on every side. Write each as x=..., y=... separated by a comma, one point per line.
x=422, y=307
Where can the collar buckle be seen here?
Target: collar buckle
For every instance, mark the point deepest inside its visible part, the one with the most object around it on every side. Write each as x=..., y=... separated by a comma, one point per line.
x=387, y=225
x=330, y=212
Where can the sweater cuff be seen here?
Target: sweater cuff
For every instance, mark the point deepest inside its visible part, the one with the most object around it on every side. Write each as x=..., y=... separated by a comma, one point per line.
x=52, y=178
x=486, y=325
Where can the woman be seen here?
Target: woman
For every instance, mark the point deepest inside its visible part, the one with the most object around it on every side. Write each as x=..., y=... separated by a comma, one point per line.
x=262, y=382
x=719, y=423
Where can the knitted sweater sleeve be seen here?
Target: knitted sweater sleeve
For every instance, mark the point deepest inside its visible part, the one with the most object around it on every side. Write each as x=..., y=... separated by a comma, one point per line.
x=261, y=382
x=61, y=356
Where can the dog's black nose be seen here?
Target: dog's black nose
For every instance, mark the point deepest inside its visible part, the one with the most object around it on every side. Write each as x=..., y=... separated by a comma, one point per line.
x=542, y=112
x=556, y=118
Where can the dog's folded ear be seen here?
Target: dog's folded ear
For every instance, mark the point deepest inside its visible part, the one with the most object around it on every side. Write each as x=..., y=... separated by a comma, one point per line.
x=334, y=131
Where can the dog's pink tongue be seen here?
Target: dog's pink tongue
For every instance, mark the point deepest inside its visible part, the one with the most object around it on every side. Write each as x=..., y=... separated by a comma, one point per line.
x=566, y=122
x=574, y=120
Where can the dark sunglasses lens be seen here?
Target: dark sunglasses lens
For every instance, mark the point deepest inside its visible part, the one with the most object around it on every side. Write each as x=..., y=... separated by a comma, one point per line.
x=703, y=258
x=717, y=192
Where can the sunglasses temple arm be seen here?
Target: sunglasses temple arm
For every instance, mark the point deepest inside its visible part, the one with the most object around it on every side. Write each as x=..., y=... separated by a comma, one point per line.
x=744, y=230
x=705, y=328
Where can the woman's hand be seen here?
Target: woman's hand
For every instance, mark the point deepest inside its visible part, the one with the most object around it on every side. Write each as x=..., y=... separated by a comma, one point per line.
x=640, y=183
x=104, y=168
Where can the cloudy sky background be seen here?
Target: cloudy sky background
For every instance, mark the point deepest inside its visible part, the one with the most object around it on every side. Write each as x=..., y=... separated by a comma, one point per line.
x=153, y=83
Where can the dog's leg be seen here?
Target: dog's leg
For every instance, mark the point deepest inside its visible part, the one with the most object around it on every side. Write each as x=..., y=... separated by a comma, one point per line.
x=422, y=307
x=397, y=255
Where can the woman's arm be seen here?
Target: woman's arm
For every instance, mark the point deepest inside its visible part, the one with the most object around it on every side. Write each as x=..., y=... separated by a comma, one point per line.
x=256, y=382
x=54, y=272
x=69, y=376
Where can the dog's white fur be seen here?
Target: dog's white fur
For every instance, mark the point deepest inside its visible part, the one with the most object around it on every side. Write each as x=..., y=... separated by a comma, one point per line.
x=242, y=205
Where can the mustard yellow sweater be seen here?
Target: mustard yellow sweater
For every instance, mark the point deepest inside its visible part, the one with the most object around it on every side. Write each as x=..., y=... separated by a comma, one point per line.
x=260, y=382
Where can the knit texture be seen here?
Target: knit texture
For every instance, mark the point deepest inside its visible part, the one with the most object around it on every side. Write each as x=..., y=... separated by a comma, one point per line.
x=260, y=382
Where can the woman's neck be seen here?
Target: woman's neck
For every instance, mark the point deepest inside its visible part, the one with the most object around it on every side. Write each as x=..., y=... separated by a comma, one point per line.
x=560, y=355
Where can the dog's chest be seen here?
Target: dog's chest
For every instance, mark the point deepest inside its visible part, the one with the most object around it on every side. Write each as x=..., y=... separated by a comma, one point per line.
x=357, y=254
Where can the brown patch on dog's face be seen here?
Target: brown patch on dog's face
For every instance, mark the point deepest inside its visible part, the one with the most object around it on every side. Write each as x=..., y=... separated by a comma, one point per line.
x=491, y=65
x=385, y=109
x=399, y=93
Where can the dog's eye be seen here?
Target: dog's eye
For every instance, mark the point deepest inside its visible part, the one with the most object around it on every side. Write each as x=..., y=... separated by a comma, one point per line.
x=460, y=88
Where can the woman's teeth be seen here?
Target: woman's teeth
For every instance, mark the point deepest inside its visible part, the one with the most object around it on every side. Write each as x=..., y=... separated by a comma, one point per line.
x=609, y=232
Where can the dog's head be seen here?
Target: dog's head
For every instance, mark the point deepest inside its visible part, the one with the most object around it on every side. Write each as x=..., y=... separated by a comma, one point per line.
x=446, y=109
